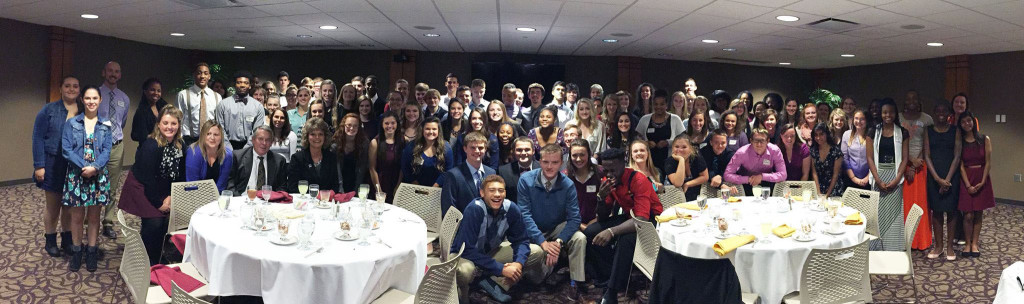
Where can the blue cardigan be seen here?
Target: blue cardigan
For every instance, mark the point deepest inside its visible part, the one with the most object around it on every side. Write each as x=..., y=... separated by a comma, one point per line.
x=195, y=166
x=543, y=210
x=483, y=232
x=73, y=142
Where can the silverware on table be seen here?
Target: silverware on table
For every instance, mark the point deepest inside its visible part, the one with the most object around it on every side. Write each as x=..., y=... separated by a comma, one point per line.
x=318, y=250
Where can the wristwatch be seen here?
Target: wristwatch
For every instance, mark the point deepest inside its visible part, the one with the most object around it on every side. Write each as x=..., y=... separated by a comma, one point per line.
x=559, y=241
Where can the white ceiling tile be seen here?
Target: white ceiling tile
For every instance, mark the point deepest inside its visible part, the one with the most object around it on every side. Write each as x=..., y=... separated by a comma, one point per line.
x=466, y=6
x=580, y=21
x=958, y=17
x=414, y=17
x=727, y=36
x=403, y=5
x=838, y=38
x=649, y=15
x=701, y=23
x=373, y=27
x=475, y=28
x=770, y=39
x=730, y=9
x=918, y=8
x=944, y=32
x=309, y=19
x=1007, y=11
x=234, y=12
x=826, y=8
x=871, y=16
x=974, y=3
x=769, y=18
x=546, y=7
x=1009, y=36
x=365, y=17
x=996, y=26
x=756, y=27
x=768, y=3
x=284, y=9
x=520, y=19
x=874, y=32
x=470, y=17
x=898, y=26
x=672, y=5
x=797, y=32
x=593, y=10
x=336, y=6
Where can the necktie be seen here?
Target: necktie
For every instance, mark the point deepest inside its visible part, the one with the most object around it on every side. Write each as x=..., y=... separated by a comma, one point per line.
x=547, y=185
x=476, y=179
x=202, y=110
x=111, y=109
x=261, y=175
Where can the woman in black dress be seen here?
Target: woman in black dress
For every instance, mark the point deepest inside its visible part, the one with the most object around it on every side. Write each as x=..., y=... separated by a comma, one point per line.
x=828, y=163
x=351, y=147
x=149, y=107
x=942, y=155
x=385, y=161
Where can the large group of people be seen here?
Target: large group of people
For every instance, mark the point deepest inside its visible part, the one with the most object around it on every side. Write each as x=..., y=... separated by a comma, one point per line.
x=557, y=177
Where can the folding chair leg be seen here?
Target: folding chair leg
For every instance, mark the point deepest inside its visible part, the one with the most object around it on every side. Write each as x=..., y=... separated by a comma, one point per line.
x=913, y=280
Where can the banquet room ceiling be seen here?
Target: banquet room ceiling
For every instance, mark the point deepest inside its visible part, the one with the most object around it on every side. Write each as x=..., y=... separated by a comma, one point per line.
x=748, y=32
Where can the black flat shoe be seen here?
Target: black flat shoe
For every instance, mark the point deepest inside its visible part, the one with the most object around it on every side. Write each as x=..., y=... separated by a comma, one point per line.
x=108, y=231
x=976, y=254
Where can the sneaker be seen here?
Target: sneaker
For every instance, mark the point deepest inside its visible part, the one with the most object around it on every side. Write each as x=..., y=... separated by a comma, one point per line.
x=494, y=290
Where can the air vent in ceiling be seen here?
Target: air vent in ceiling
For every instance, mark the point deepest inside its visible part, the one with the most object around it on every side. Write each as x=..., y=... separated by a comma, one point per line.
x=743, y=61
x=210, y=3
x=832, y=25
x=318, y=47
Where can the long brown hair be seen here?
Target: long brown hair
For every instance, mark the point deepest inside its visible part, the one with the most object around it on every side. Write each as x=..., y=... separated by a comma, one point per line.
x=340, y=137
x=201, y=143
x=421, y=145
x=160, y=140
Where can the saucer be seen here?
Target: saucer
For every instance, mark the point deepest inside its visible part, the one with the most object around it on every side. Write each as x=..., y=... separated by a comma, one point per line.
x=679, y=223
x=265, y=227
x=342, y=237
x=276, y=240
x=838, y=232
x=804, y=238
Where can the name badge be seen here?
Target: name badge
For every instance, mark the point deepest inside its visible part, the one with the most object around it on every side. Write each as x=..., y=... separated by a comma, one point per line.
x=766, y=162
x=591, y=188
x=732, y=142
x=702, y=145
x=120, y=103
x=250, y=118
x=650, y=130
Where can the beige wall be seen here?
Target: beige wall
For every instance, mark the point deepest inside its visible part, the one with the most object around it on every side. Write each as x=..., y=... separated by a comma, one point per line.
x=995, y=80
x=24, y=83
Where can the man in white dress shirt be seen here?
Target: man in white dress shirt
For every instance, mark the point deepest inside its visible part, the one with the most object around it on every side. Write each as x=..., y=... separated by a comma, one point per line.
x=451, y=82
x=197, y=103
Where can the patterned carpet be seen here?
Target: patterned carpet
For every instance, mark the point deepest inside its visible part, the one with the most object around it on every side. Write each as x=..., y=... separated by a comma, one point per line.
x=28, y=275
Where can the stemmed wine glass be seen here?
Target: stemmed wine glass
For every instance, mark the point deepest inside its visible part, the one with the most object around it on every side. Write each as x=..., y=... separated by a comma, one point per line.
x=314, y=190
x=364, y=190
x=306, y=227
x=303, y=187
x=250, y=192
x=282, y=228
x=259, y=219
x=223, y=202
x=265, y=192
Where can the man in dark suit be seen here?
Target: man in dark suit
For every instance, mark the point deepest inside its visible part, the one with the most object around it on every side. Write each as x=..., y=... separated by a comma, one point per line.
x=255, y=167
x=462, y=184
x=522, y=149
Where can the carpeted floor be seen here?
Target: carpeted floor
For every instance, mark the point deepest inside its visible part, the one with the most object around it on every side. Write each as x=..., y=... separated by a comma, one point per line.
x=28, y=275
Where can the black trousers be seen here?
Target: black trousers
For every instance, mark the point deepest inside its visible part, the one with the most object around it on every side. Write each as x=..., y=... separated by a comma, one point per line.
x=612, y=262
x=153, y=231
x=188, y=140
x=750, y=189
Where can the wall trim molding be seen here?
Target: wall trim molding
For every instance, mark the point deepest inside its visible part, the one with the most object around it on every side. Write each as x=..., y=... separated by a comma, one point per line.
x=1010, y=202
x=15, y=182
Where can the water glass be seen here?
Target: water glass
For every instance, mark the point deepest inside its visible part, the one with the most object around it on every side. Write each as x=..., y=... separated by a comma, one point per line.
x=766, y=231
x=259, y=219
x=265, y=192
x=306, y=228
x=365, y=229
x=314, y=190
x=282, y=228
x=303, y=187
x=224, y=202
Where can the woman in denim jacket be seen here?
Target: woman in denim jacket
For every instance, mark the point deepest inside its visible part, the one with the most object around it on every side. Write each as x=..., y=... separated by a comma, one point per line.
x=50, y=166
x=86, y=144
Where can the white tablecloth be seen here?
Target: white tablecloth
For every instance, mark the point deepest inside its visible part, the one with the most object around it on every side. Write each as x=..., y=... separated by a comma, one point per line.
x=236, y=262
x=1010, y=290
x=771, y=270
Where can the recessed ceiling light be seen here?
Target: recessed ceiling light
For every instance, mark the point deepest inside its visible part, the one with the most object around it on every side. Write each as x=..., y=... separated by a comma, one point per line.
x=848, y=55
x=239, y=47
x=935, y=44
x=709, y=41
x=912, y=27
x=729, y=49
x=526, y=29
x=431, y=35
x=787, y=18
x=89, y=16
x=611, y=40
x=621, y=34
x=423, y=27
x=784, y=63
x=177, y=34
x=328, y=27
x=305, y=36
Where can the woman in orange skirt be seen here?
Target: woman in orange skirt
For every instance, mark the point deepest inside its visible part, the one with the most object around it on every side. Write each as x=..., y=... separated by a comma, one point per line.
x=915, y=190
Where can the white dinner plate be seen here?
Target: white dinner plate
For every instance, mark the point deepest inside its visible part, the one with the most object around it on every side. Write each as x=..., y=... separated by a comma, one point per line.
x=276, y=240
x=341, y=237
x=265, y=227
x=838, y=232
x=804, y=238
x=680, y=222
x=322, y=206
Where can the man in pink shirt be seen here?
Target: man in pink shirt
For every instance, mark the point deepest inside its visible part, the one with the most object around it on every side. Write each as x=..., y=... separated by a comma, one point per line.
x=758, y=163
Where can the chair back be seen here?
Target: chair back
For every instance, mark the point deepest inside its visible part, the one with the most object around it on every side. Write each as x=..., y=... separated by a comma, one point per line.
x=186, y=197
x=424, y=201
x=449, y=227
x=645, y=254
x=438, y=285
x=134, y=262
x=180, y=296
x=673, y=195
x=796, y=187
x=836, y=275
x=910, y=228
x=706, y=191
x=682, y=279
x=866, y=202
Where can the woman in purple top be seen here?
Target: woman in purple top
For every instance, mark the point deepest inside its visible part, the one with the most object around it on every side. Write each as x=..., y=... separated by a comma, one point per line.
x=855, y=154
x=795, y=154
x=585, y=176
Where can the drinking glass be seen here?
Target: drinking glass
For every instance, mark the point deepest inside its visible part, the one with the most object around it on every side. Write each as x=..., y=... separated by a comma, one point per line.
x=324, y=196
x=282, y=228
x=245, y=215
x=807, y=196
x=832, y=209
x=378, y=210
x=364, y=190
x=723, y=225
x=306, y=228
x=314, y=190
x=766, y=231
x=251, y=193
x=757, y=191
x=223, y=202
x=265, y=192
x=364, y=230
x=725, y=194
x=303, y=187
x=806, y=225
x=259, y=219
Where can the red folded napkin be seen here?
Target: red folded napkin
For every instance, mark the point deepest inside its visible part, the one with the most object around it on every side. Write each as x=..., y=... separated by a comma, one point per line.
x=280, y=197
x=163, y=275
x=326, y=193
x=179, y=242
x=344, y=197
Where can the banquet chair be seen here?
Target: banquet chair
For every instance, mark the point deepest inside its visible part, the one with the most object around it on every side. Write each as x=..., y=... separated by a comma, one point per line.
x=180, y=296
x=673, y=195
x=899, y=263
x=710, y=192
x=834, y=276
x=866, y=202
x=135, y=270
x=797, y=188
x=449, y=227
x=423, y=201
x=186, y=197
x=437, y=287
x=681, y=279
x=645, y=252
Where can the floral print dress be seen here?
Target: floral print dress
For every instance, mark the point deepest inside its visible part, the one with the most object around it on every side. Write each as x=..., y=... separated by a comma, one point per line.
x=83, y=192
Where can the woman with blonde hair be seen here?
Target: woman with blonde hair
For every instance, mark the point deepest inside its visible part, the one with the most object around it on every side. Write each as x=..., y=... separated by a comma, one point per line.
x=209, y=158
x=808, y=119
x=640, y=160
x=159, y=161
x=837, y=125
x=591, y=129
x=680, y=105
x=686, y=169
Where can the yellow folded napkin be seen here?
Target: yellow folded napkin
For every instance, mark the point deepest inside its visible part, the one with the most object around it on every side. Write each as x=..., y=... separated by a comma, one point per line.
x=726, y=246
x=783, y=231
x=734, y=199
x=666, y=218
x=797, y=197
x=854, y=219
x=688, y=206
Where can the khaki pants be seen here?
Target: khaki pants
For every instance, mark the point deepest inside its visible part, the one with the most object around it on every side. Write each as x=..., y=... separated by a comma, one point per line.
x=531, y=271
x=575, y=250
x=114, y=169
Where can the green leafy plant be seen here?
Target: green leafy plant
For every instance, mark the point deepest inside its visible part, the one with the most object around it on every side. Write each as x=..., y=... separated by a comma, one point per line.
x=216, y=73
x=820, y=96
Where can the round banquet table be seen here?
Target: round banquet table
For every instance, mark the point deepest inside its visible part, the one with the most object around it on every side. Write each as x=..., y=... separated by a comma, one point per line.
x=772, y=269
x=237, y=262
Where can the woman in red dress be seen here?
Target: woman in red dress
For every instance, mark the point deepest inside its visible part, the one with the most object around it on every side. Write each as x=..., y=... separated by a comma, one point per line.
x=976, y=189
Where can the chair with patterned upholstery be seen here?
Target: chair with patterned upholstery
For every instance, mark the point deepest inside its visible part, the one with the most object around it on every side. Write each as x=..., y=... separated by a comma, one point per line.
x=423, y=201
x=646, y=250
x=898, y=263
x=706, y=191
x=834, y=276
x=796, y=188
x=449, y=227
x=186, y=197
x=437, y=287
x=180, y=296
x=135, y=270
x=865, y=202
x=673, y=195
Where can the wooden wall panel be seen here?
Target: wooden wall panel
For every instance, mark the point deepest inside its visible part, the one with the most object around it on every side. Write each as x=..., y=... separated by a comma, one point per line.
x=62, y=49
x=958, y=76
